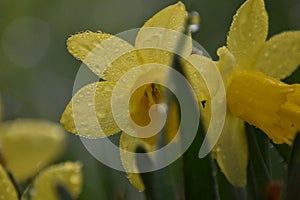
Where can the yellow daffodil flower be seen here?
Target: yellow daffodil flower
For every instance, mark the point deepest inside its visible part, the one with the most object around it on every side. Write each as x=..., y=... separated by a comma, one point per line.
x=28, y=145
x=85, y=46
x=67, y=175
x=251, y=68
x=7, y=188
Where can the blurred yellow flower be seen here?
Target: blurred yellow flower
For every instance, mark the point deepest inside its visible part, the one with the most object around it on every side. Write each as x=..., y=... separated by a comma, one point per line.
x=83, y=45
x=67, y=175
x=7, y=188
x=28, y=145
x=251, y=67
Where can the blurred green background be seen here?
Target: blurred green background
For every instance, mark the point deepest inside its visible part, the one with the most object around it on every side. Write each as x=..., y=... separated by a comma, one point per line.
x=37, y=72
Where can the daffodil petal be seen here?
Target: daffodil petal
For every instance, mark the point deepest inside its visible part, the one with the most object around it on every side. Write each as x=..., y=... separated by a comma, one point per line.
x=172, y=17
x=225, y=64
x=128, y=145
x=67, y=175
x=136, y=58
x=165, y=30
x=89, y=112
x=8, y=191
x=97, y=50
x=196, y=80
x=248, y=32
x=231, y=151
x=210, y=91
x=122, y=65
x=280, y=55
x=29, y=145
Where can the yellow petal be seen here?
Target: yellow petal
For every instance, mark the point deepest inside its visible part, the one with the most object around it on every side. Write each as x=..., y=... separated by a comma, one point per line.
x=67, y=175
x=280, y=55
x=136, y=58
x=248, y=32
x=172, y=17
x=231, y=151
x=97, y=50
x=277, y=112
x=165, y=31
x=208, y=85
x=196, y=80
x=128, y=145
x=29, y=145
x=8, y=191
x=203, y=75
x=89, y=112
x=122, y=65
x=225, y=64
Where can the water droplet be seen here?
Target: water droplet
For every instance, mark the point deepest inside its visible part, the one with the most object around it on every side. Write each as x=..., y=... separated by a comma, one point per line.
x=130, y=59
x=155, y=39
x=196, y=51
x=8, y=190
x=194, y=21
x=32, y=191
x=266, y=54
x=274, y=46
x=101, y=115
x=106, y=89
x=74, y=179
x=82, y=124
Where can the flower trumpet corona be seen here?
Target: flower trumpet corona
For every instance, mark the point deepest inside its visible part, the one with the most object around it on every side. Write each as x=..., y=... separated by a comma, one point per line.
x=252, y=68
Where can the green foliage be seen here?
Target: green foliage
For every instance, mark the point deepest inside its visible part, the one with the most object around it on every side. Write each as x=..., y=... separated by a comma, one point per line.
x=42, y=90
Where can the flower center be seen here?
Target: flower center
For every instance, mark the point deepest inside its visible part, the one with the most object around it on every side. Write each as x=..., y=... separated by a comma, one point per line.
x=141, y=101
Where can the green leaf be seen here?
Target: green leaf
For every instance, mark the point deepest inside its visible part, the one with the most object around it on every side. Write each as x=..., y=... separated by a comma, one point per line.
x=293, y=177
x=198, y=174
x=260, y=174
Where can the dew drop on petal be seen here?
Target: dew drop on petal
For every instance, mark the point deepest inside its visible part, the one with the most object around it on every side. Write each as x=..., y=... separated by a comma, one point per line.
x=75, y=179
x=101, y=115
x=8, y=190
x=274, y=46
x=266, y=54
